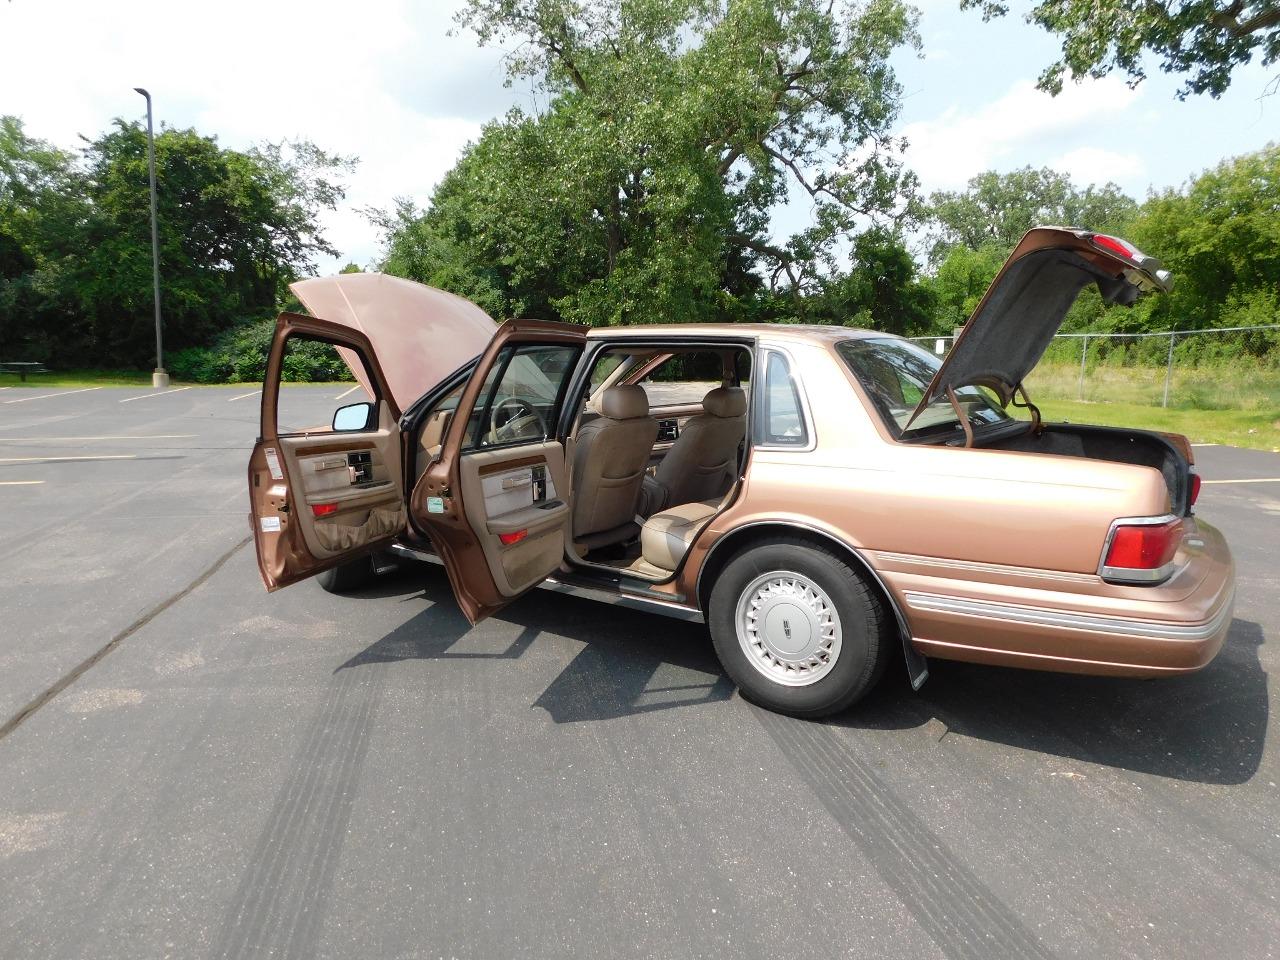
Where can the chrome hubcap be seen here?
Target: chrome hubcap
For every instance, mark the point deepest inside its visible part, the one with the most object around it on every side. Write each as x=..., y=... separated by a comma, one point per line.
x=788, y=628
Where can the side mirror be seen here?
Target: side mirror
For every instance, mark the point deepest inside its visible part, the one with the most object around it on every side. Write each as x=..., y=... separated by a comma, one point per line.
x=355, y=416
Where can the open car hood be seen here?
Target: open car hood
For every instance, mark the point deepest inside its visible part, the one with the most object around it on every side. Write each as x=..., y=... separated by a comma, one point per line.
x=1028, y=300
x=420, y=334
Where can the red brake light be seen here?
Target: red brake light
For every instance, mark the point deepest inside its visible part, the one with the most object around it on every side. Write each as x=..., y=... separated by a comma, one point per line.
x=323, y=509
x=1114, y=244
x=1195, y=488
x=1142, y=547
x=510, y=538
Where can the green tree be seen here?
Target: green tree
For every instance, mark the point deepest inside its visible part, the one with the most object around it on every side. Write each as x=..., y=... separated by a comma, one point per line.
x=642, y=192
x=42, y=213
x=998, y=208
x=1205, y=40
x=1220, y=236
x=235, y=228
x=882, y=290
x=961, y=279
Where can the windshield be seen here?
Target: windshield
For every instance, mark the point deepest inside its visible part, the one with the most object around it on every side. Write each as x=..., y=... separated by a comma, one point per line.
x=895, y=374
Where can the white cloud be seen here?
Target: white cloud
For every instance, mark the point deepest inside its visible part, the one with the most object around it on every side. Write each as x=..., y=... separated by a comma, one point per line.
x=1011, y=131
x=1088, y=165
x=384, y=82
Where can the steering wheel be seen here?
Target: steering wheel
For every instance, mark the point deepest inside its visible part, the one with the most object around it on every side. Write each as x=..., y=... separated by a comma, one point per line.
x=515, y=419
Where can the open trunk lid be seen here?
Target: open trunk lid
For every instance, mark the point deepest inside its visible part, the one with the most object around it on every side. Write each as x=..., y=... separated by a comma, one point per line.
x=1028, y=300
x=420, y=334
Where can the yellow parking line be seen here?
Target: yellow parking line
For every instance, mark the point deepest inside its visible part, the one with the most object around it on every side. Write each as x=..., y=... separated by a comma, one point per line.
x=46, y=396
x=145, y=436
x=19, y=483
x=245, y=395
x=1253, y=480
x=348, y=392
x=105, y=456
x=161, y=393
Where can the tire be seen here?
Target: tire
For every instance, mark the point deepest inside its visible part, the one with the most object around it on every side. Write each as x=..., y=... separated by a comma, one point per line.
x=347, y=577
x=798, y=629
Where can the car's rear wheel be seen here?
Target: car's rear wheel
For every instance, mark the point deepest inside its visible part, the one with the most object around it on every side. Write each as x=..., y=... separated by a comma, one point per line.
x=347, y=577
x=798, y=629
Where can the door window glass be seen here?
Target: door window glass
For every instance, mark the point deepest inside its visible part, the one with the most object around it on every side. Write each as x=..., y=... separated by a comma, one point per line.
x=315, y=383
x=783, y=421
x=521, y=395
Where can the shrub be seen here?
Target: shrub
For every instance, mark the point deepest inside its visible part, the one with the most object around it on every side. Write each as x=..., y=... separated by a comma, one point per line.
x=239, y=355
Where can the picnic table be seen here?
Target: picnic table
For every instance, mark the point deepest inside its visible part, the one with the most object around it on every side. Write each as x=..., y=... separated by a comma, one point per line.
x=22, y=368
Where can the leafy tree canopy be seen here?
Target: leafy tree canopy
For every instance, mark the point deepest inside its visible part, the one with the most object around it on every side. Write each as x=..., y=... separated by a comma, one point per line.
x=235, y=228
x=1205, y=40
x=998, y=208
x=1220, y=235
x=642, y=192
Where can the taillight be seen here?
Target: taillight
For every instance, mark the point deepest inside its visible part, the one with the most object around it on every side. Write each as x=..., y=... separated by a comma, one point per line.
x=1195, y=489
x=1142, y=552
x=1113, y=244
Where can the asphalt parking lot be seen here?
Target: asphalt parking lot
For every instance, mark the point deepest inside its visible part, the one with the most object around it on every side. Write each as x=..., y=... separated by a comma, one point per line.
x=305, y=775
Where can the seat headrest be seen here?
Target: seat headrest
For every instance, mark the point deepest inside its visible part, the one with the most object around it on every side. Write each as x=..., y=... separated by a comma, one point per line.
x=725, y=402
x=625, y=403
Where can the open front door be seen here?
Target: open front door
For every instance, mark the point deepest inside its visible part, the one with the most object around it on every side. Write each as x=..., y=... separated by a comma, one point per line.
x=325, y=481
x=495, y=502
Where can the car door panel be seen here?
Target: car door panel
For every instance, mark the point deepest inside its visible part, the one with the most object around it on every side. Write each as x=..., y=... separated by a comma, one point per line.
x=322, y=497
x=472, y=496
x=363, y=511
x=498, y=491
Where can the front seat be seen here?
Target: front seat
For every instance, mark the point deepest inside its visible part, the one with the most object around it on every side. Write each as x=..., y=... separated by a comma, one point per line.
x=609, y=461
x=703, y=462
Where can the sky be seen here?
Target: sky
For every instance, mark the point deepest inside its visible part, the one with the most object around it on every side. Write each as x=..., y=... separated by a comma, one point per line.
x=383, y=80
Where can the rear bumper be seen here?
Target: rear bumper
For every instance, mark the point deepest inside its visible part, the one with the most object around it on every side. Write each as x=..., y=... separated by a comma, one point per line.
x=1077, y=624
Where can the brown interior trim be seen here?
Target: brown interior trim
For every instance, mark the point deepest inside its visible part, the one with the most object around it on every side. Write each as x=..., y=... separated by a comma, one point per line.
x=504, y=465
x=319, y=449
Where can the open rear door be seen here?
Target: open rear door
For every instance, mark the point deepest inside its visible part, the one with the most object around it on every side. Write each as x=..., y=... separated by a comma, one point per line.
x=495, y=501
x=325, y=478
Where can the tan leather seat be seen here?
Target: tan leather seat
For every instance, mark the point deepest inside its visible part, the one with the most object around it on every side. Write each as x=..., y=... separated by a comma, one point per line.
x=703, y=462
x=609, y=461
x=666, y=536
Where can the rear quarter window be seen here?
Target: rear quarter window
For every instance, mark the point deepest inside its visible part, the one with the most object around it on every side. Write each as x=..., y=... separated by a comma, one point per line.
x=781, y=422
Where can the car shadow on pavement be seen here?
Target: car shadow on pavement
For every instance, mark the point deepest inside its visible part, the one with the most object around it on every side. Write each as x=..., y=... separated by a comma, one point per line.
x=1206, y=727
x=629, y=664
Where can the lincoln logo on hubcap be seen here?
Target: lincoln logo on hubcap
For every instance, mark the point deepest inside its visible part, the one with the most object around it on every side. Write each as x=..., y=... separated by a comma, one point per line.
x=786, y=628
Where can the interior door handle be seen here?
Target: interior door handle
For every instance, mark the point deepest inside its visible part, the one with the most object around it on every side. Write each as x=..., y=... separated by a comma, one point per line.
x=510, y=483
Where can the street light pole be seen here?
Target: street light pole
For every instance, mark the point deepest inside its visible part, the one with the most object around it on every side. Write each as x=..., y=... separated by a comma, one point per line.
x=160, y=378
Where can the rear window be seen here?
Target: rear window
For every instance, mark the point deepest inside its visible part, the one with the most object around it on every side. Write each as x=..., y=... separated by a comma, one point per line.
x=895, y=374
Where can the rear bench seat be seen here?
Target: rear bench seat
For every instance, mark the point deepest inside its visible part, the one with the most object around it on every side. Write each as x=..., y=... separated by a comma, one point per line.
x=666, y=536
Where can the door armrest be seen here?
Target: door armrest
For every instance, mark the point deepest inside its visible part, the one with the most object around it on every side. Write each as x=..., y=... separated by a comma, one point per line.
x=532, y=518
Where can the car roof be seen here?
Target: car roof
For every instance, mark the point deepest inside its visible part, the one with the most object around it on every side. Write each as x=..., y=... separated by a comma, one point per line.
x=701, y=331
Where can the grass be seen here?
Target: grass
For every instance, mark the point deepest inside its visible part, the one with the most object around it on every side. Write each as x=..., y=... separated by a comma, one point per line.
x=79, y=378
x=1237, y=405
x=1241, y=387
x=1257, y=429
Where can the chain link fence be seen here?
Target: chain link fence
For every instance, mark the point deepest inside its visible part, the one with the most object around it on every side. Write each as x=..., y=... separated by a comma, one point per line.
x=1215, y=369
